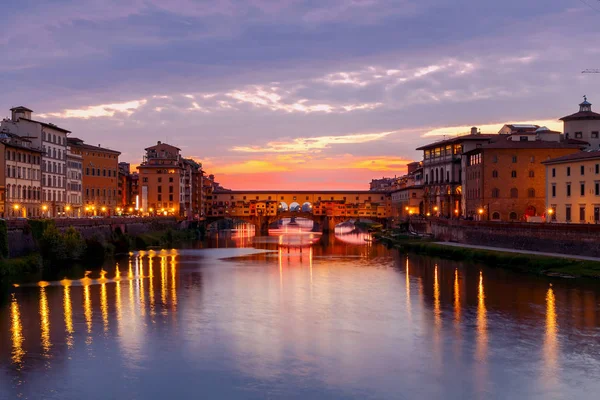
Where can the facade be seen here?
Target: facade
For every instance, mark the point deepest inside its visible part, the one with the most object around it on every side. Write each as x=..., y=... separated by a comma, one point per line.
x=583, y=125
x=74, y=184
x=21, y=178
x=505, y=179
x=99, y=177
x=126, y=197
x=161, y=180
x=573, y=188
x=53, y=141
x=193, y=193
x=443, y=173
x=407, y=196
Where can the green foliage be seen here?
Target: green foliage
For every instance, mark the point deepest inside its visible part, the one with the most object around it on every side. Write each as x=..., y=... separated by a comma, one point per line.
x=528, y=263
x=57, y=247
x=38, y=226
x=3, y=239
x=20, y=266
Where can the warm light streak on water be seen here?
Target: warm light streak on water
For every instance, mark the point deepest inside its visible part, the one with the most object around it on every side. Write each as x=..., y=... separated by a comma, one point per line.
x=152, y=306
x=87, y=307
x=550, y=350
x=139, y=264
x=173, y=285
x=436, y=299
x=481, y=342
x=16, y=330
x=163, y=281
x=456, y=297
x=68, y=312
x=45, y=321
x=104, y=307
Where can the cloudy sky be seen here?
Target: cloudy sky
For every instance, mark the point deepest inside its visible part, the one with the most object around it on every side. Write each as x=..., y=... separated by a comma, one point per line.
x=296, y=94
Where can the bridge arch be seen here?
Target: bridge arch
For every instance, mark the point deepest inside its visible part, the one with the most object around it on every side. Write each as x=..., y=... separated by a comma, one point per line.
x=295, y=206
x=306, y=207
x=283, y=206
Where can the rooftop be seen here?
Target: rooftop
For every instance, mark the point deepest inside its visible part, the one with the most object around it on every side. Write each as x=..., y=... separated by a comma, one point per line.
x=47, y=124
x=583, y=155
x=537, y=144
x=458, y=139
x=76, y=142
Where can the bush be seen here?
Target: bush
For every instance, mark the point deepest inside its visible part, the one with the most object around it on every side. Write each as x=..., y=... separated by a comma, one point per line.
x=56, y=246
x=3, y=239
x=20, y=266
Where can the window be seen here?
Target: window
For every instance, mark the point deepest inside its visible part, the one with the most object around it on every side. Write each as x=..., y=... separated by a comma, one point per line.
x=553, y=190
x=568, y=213
x=582, y=170
x=513, y=216
x=145, y=180
x=530, y=192
x=582, y=189
x=514, y=193
x=597, y=189
x=554, y=172
x=494, y=174
x=171, y=190
x=598, y=168
x=532, y=159
x=568, y=171
x=578, y=135
x=159, y=179
x=594, y=134
x=495, y=193
x=513, y=174
x=568, y=189
x=171, y=180
x=496, y=215
x=582, y=213
x=160, y=189
x=531, y=174
x=170, y=197
x=514, y=159
x=495, y=159
x=160, y=197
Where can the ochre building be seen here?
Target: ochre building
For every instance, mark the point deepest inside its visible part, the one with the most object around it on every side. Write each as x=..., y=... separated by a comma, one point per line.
x=100, y=177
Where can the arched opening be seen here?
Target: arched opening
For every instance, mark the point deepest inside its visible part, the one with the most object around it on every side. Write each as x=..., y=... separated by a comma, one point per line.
x=307, y=207
x=496, y=216
x=283, y=206
x=294, y=207
x=530, y=211
x=513, y=216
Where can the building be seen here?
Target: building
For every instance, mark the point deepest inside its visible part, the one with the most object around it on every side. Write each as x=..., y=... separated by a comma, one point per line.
x=162, y=180
x=21, y=178
x=383, y=184
x=74, y=207
x=193, y=193
x=407, y=196
x=573, y=187
x=583, y=125
x=125, y=193
x=99, y=177
x=443, y=172
x=505, y=179
x=53, y=141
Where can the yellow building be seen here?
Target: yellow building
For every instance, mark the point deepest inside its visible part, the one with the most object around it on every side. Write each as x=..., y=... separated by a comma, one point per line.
x=573, y=188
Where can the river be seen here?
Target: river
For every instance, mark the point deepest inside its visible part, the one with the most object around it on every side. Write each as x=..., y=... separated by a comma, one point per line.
x=293, y=316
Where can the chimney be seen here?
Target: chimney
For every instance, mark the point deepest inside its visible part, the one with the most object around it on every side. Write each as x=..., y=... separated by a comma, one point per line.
x=474, y=131
x=158, y=142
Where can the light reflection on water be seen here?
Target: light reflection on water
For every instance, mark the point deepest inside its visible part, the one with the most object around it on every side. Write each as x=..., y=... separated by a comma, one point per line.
x=335, y=319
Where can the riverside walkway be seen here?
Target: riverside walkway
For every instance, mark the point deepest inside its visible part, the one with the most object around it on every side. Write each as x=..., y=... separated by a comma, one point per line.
x=506, y=250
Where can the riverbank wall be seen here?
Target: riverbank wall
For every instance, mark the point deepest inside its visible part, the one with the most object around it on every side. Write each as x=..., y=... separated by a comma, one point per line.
x=575, y=239
x=21, y=240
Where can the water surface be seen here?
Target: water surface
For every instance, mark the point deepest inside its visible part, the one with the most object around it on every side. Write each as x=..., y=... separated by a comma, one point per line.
x=275, y=317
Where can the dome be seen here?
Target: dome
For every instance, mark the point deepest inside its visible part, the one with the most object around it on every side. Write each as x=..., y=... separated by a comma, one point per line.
x=542, y=129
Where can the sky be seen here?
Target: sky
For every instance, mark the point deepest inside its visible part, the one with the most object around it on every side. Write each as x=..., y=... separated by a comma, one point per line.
x=291, y=94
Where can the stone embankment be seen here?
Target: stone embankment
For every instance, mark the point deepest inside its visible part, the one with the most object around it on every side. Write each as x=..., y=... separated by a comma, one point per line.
x=575, y=239
x=21, y=240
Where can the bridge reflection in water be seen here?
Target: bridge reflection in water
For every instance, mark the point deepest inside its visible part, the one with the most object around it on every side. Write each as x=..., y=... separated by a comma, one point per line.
x=310, y=311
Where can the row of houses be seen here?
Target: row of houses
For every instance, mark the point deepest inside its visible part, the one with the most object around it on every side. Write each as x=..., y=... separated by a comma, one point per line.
x=524, y=172
x=45, y=171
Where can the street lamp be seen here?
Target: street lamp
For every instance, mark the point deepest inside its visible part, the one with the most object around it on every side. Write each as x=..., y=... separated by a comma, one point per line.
x=550, y=212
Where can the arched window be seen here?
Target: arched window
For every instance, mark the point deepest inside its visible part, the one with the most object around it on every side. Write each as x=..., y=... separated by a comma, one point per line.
x=513, y=216
x=530, y=192
x=436, y=175
x=24, y=192
x=514, y=193
x=494, y=174
x=496, y=215
x=495, y=193
x=513, y=174
x=8, y=191
x=531, y=174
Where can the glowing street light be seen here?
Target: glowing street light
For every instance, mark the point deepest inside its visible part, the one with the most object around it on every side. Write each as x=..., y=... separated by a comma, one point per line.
x=67, y=208
x=130, y=209
x=44, y=208
x=550, y=211
x=435, y=208
x=16, y=206
x=103, y=209
x=480, y=211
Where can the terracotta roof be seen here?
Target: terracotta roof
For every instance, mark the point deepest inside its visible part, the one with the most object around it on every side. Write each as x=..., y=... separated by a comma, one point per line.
x=583, y=155
x=300, y=192
x=74, y=142
x=537, y=144
x=21, y=108
x=46, y=125
x=458, y=139
x=581, y=115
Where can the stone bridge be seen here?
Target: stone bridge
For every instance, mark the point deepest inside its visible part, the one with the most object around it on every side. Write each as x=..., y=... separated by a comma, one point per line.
x=325, y=208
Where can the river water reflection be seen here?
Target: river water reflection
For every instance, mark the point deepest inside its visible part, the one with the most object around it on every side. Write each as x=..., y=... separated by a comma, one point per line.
x=274, y=317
